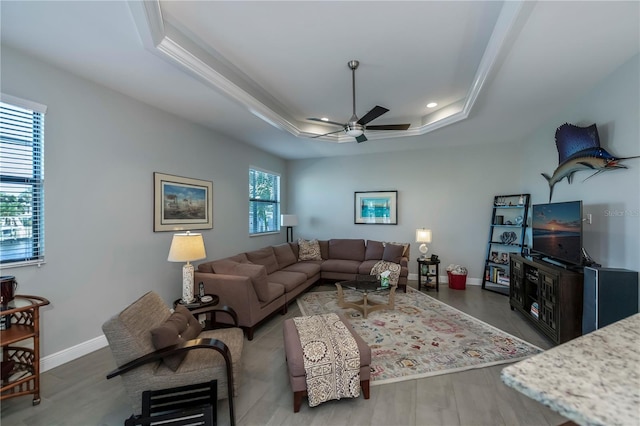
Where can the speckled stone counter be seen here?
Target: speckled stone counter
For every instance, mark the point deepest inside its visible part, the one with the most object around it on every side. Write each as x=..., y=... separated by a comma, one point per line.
x=592, y=380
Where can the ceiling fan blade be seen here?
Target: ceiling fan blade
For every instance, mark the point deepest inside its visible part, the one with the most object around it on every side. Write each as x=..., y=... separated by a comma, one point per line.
x=330, y=133
x=326, y=121
x=361, y=138
x=376, y=112
x=389, y=127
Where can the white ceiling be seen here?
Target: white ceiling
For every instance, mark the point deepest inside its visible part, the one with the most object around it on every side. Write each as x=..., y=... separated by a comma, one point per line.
x=257, y=70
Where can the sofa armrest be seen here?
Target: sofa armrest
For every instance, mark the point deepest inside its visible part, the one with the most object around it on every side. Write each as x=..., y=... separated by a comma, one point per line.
x=234, y=291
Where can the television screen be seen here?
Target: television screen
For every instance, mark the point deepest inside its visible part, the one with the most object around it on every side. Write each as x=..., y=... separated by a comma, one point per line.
x=557, y=231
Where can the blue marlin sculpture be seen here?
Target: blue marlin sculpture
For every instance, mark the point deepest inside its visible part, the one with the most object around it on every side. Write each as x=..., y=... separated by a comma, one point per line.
x=579, y=149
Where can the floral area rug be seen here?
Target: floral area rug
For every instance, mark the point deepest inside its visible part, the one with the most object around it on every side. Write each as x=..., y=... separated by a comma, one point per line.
x=422, y=336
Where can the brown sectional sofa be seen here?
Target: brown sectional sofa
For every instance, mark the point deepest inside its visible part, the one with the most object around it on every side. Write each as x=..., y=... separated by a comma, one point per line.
x=259, y=283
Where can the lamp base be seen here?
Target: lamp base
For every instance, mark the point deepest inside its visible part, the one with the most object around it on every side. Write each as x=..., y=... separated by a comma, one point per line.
x=187, y=284
x=423, y=249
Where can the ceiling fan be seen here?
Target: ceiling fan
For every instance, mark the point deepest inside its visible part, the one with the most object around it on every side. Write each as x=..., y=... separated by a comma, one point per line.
x=355, y=127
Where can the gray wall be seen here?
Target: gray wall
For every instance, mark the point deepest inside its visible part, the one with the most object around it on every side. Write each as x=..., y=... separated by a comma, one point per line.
x=450, y=189
x=101, y=149
x=612, y=198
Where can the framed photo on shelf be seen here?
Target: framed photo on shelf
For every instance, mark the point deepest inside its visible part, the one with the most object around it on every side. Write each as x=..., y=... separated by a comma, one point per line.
x=376, y=207
x=181, y=203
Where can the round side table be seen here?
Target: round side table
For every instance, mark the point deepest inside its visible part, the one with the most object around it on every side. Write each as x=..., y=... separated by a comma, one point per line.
x=427, y=263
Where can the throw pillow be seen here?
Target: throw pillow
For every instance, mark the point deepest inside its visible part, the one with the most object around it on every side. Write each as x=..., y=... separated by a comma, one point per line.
x=405, y=245
x=177, y=329
x=392, y=253
x=374, y=251
x=309, y=250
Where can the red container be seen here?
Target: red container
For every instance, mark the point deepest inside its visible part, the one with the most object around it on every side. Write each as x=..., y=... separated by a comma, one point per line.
x=457, y=282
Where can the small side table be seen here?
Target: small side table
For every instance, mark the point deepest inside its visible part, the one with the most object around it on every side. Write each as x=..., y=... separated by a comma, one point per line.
x=427, y=264
x=209, y=309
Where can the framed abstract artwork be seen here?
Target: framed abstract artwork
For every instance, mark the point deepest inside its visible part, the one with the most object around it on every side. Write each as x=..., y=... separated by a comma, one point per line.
x=182, y=204
x=376, y=208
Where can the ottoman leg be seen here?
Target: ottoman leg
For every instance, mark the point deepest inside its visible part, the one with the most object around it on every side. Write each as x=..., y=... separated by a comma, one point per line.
x=297, y=400
x=364, y=385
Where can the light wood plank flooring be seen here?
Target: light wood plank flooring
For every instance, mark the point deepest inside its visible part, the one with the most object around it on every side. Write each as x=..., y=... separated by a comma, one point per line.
x=77, y=393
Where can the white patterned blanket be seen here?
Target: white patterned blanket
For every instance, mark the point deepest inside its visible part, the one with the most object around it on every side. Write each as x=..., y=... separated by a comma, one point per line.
x=331, y=358
x=383, y=265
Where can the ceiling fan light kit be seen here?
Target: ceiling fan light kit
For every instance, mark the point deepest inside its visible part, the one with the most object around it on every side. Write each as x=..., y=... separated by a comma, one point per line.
x=356, y=127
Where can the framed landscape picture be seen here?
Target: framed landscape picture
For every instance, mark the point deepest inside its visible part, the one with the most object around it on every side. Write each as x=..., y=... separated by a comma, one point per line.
x=376, y=208
x=182, y=204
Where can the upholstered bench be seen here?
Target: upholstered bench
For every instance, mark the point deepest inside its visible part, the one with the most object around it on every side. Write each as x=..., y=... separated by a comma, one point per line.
x=295, y=361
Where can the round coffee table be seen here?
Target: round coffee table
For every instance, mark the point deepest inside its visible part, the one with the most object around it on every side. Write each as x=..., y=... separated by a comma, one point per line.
x=366, y=306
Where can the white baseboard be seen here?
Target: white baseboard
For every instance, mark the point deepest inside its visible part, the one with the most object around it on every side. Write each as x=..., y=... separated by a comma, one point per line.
x=51, y=361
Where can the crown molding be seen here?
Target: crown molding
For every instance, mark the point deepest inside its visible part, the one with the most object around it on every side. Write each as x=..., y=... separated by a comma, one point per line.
x=171, y=44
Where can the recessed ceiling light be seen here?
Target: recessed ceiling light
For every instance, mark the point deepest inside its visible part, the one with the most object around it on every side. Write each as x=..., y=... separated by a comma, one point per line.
x=432, y=105
x=324, y=119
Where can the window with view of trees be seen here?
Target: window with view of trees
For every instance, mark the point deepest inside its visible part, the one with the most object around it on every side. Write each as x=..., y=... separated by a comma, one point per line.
x=264, y=202
x=21, y=182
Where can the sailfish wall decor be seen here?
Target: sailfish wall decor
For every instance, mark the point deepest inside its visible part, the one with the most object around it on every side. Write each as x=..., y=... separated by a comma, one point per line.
x=579, y=149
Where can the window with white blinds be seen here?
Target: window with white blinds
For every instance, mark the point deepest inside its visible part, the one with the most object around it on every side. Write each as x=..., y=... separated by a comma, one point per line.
x=21, y=182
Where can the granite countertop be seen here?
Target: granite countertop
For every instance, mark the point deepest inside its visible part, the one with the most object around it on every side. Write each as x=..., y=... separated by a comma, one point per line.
x=591, y=380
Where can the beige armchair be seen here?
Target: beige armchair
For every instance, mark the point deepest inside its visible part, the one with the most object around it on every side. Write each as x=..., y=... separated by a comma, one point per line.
x=213, y=354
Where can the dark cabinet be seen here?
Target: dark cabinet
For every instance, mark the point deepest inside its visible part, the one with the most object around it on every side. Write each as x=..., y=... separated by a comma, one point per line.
x=548, y=296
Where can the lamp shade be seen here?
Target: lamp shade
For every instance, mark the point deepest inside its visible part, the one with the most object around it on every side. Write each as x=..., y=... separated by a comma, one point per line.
x=423, y=235
x=186, y=247
x=289, y=220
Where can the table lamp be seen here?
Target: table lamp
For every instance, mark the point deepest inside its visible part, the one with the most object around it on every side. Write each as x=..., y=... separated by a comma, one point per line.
x=185, y=248
x=289, y=220
x=423, y=236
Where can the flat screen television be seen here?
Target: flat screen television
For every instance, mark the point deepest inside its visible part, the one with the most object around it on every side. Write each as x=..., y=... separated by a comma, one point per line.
x=557, y=231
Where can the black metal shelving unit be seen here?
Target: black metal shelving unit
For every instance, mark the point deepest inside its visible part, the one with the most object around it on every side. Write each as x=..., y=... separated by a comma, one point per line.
x=507, y=235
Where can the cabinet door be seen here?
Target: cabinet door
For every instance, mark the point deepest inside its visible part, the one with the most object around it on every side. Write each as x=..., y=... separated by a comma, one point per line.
x=517, y=283
x=549, y=300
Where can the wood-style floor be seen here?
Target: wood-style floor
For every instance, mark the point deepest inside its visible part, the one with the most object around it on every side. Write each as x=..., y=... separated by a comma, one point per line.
x=77, y=393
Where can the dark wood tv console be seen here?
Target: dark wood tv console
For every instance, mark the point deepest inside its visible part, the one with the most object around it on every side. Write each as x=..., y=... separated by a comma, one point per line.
x=556, y=291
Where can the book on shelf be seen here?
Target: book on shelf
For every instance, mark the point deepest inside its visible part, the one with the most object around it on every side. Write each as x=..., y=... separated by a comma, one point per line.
x=497, y=274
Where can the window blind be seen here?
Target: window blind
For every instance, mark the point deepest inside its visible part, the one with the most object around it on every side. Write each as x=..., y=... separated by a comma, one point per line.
x=21, y=182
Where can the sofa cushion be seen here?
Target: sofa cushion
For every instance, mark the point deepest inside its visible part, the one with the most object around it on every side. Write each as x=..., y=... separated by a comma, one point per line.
x=324, y=248
x=284, y=255
x=295, y=248
x=366, y=266
x=178, y=328
x=374, y=250
x=342, y=266
x=221, y=265
x=392, y=253
x=265, y=257
x=346, y=249
x=257, y=274
x=308, y=250
x=290, y=280
x=310, y=268
x=405, y=253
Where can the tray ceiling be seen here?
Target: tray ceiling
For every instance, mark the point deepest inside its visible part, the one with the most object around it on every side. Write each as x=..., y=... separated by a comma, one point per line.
x=256, y=71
